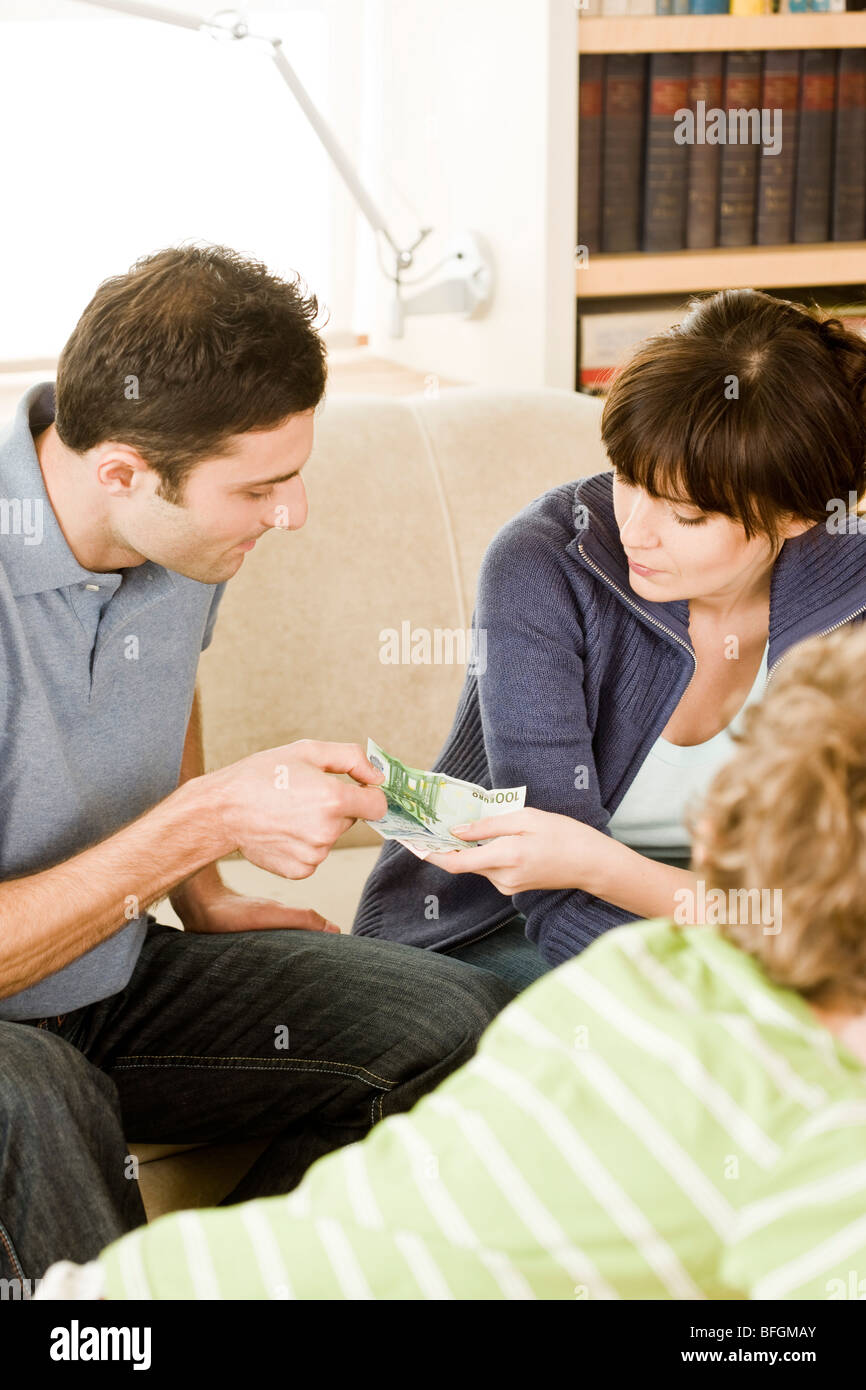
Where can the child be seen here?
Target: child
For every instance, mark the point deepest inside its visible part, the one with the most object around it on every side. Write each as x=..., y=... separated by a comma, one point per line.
x=678, y=1112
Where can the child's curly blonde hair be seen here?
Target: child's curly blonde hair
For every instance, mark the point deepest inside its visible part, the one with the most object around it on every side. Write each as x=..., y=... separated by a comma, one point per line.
x=788, y=813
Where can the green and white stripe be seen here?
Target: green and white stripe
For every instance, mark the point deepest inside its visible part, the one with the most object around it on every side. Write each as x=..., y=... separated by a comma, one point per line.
x=654, y=1119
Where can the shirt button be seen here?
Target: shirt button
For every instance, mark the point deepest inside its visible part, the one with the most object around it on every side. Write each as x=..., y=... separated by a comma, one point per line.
x=94, y=588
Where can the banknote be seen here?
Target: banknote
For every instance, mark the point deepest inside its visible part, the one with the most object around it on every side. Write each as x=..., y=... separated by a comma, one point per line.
x=422, y=806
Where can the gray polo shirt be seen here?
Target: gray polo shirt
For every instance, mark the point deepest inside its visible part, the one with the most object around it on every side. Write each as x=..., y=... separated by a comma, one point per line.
x=97, y=676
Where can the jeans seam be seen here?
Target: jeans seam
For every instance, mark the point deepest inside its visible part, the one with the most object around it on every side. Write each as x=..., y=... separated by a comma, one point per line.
x=251, y=1064
x=380, y=1090
x=6, y=1240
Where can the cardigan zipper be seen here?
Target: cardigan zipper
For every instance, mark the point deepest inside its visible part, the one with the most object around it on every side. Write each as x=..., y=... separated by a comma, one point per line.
x=776, y=664
x=489, y=931
x=624, y=596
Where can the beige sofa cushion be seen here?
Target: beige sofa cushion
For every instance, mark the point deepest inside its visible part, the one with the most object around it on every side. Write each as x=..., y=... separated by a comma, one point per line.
x=405, y=495
x=333, y=890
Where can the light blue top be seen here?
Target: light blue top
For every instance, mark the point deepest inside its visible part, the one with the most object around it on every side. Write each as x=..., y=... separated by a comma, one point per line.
x=97, y=675
x=672, y=778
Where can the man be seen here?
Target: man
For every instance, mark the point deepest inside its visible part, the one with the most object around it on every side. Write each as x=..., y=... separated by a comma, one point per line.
x=183, y=418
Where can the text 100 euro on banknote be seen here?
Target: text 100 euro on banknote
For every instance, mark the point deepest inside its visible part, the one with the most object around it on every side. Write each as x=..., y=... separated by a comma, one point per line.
x=422, y=806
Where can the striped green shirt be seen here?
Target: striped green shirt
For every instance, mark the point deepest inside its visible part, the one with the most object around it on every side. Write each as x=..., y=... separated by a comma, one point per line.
x=653, y=1119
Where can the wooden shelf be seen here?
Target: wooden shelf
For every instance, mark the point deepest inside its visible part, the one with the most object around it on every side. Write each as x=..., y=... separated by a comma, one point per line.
x=758, y=267
x=701, y=33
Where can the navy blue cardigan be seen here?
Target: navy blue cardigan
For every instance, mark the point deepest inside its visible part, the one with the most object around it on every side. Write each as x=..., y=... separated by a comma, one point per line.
x=581, y=673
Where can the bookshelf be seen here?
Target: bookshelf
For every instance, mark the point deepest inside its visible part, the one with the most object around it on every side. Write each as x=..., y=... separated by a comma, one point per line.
x=719, y=32
x=463, y=149
x=640, y=276
x=743, y=267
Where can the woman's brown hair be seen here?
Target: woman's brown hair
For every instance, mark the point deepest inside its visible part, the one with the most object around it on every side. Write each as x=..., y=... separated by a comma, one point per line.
x=752, y=407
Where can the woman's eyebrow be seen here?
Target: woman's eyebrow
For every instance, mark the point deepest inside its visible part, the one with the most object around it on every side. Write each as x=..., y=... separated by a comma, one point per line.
x=678, y=501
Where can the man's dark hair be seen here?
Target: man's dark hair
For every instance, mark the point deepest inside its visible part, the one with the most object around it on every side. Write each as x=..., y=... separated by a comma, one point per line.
x=192, y=346
x=751, y=407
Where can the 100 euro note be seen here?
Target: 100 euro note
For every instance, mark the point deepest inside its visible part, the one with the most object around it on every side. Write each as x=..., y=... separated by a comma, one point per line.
x=422, y=806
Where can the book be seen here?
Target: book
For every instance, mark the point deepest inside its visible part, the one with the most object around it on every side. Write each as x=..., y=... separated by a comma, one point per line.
x=624, y=90
x=702, y=205
x=780, y=92
x=708, y=7
x=814, y=163
x=607, y=338
x=848, y=212
x=589, y=151
x=666, y=161
x=738, y=174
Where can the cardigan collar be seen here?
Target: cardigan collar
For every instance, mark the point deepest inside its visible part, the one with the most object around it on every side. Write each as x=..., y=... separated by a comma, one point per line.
x=818, y=580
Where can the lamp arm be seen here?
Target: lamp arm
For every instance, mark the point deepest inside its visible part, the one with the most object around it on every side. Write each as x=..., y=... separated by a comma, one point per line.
x=344, y=166
x=331, y=145
x=140, y=11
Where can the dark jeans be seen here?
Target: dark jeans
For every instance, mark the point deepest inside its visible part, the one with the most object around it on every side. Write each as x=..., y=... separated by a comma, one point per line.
x=508, y=953
x=303, y=1038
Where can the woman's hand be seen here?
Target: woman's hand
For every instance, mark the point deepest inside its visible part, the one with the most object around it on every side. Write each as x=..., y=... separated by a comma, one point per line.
x=528, y=849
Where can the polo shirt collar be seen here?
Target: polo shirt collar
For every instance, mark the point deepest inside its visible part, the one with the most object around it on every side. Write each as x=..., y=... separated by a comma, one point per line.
x=32, y=568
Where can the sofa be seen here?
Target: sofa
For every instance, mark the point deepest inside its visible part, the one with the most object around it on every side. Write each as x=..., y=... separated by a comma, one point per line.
x=315, y=633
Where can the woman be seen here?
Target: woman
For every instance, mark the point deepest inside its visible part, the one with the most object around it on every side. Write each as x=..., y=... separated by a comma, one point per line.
x=629, y=617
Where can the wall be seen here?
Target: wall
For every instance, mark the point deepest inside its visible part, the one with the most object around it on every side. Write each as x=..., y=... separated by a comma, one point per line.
x=478, y=129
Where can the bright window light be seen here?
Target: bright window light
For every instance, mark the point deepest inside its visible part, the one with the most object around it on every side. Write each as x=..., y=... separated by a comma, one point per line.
x=124, y=136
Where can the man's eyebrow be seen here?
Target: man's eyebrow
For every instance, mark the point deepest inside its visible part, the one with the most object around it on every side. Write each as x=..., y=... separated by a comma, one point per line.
x=266, y=482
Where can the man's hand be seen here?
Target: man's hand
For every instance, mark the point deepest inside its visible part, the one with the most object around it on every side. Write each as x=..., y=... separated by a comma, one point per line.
x=283, y=811
x=204, y=904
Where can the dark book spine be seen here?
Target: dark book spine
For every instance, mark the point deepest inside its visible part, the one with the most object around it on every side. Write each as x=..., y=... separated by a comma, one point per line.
x=702, y=211
x=738, y=175
x=666, y=160
x=780, y=97
x=589, y=136
x=622, y=149
x=815, y=146
x=848, y=221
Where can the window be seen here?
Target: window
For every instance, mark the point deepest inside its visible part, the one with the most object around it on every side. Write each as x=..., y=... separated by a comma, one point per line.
x=123, y=136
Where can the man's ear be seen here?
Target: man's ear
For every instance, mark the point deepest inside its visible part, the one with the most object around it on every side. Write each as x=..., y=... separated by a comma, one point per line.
x=119, y=468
